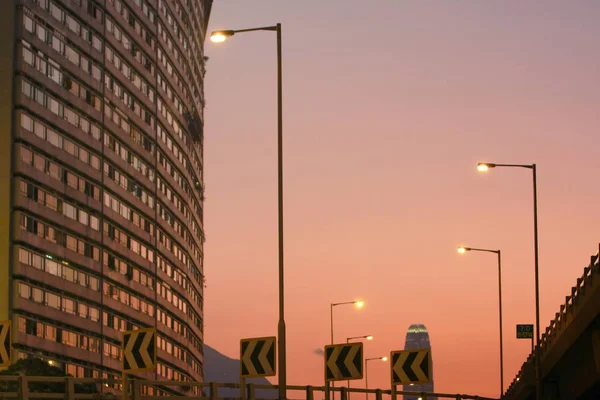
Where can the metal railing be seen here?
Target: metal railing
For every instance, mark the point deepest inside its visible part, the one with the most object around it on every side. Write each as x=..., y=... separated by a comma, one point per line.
x=21, y=388
x=563, y=318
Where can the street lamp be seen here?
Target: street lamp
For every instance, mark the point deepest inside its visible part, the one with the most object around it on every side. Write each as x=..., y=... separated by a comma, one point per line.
x=357, y=303
x=368, y=337
x=483, y=167
x=463, y=250
x=367, y=373
x=219, y=37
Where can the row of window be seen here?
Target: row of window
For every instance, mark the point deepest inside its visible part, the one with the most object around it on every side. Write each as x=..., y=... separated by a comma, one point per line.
x=59, y=44
x=59, y=173
x=130, y=18
x=128, y=156
x=164, y=85
x=128, y=299
x=59, y=205
x=181, y=180
x=61, y=335
x=167, y=216
x=130, y=73
x=167, y=139
x=59, y=237
x=52, y=70
x=120, y=119
x=60, y=110
x=196, y=13
x=117, y=205
x=125, y=240
x=182, y=278
x=129, y=45
x=179, y=302
x=56, y=139
x=129, y=100
x=58, y=301
x=51, y=265
x=178, y=352
x=193, y=74
x=138, y=275
x=174, y=248
x=72, y=23
x=128, y=184
x=147, y=10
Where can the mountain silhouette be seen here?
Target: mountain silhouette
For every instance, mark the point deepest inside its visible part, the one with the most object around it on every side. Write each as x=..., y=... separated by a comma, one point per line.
x=220, y=368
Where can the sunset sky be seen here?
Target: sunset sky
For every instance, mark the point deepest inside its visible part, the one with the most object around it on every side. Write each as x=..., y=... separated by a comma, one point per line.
x=388, y=106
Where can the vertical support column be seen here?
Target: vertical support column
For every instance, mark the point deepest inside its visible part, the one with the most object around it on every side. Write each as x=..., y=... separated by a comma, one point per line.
x=214, y=391
x=23, y=388
x=378, y=394
x=251, y=391
x=70, y=388
x=243, y=388
x=327, y=391
x=343, y=393
x=136, y=389
x=394, y=394
x=310, y=393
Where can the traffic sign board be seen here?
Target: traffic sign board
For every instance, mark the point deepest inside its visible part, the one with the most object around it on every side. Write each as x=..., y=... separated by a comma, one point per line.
x=344, y=362
x=411, y=366
x=139, y=350
x=5, y=343
x=257, y=357
x=525, y=331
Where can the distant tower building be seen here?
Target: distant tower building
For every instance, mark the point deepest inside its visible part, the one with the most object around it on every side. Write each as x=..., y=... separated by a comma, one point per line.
x=418, y=338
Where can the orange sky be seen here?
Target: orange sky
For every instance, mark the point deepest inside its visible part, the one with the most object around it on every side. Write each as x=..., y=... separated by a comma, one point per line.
x=388, y=106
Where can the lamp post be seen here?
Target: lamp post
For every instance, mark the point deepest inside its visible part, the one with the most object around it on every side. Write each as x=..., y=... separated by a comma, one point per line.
x=463, y=250
x=221, y=36
x=368, y=337
x=358, y=303
x=367, y=373
x=484, y=167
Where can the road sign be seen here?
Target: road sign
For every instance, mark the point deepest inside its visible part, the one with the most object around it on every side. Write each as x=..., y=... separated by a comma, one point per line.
x=525, y=331
x=139, y=350
x=411, y=366
x=257, y=357
x=344, y=362
x=5, y=343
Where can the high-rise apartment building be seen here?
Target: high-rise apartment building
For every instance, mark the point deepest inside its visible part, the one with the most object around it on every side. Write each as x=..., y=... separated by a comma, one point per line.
x=417, y=337
x=101, y=229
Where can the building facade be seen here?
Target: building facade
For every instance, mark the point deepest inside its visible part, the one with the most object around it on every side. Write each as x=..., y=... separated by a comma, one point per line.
x=417, y=337
x=101, y=205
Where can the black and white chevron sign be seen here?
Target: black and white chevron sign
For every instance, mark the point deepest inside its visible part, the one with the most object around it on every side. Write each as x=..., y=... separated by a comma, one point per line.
x=411, y=366
x=5, y=343
x=344, y=362
x=139, y=350
x=257, y=357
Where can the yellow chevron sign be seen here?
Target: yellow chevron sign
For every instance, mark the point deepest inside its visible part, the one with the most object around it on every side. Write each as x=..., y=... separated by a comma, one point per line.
x=5, y=343
x=344, y=361
x=257, y=357
x=139, y=350
x=411, y=366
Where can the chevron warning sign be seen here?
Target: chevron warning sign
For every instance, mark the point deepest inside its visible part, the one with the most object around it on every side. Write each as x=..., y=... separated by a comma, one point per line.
x=257, y=357
x=411, y=366
x=139, y=350
x=5, y=343
x=344, y=362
